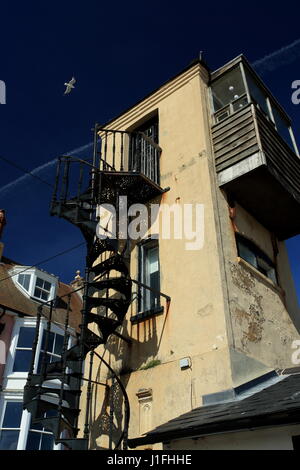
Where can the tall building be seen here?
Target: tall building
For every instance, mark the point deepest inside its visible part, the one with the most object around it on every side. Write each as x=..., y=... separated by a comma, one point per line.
x=188, y=290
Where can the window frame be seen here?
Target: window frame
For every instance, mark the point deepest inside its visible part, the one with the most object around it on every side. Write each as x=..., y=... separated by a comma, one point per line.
x=144, y=247
x=25, y=421
x=16, y=379
x=141, y=154
x=34, y=274
x=260, y=256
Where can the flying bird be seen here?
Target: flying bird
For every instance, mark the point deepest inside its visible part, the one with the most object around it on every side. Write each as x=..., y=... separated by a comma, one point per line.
x=69, y=86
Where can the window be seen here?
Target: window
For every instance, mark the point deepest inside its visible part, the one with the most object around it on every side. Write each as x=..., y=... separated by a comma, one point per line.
x=16, y=429
x=24, y=280
x=149, y=275
x=282, y=127
x=42, y=289
x=248, y=251
x=54, y=348
x=11, y=424
x=38, y=438
x=20, y=356
x=35, y=283
x=143, y=155
x=24, y=349
x=258, y=95
x=229, y=88
x=18, y=432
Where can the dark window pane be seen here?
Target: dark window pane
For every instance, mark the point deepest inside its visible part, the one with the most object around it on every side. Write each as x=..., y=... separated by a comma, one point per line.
x=36, y=426
x=39, y=282
x=33, y=441
x=47, y=442
x=44, y=295
x=47, y=360
x=255, y=256
x=59, y=342
x=50, y=336
x=282, y=127
x=13, y=414
x=24, y=280
x=9, y=440
x=37, y=293
x=154, y=283
x=258, y=94
x=26, y=337
x=47, y=286
x=51, y=413
x=228, y=88
x=22, y=361
x=247, y=254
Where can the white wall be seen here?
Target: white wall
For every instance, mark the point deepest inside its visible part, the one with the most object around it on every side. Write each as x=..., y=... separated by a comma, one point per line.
x=264, y=439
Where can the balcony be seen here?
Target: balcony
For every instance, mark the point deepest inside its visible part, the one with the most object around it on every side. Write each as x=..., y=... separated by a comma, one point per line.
x=255, y=165
x=130, y=164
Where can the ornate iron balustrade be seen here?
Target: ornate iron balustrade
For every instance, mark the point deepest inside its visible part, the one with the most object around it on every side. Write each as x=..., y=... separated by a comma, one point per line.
x=132, y=152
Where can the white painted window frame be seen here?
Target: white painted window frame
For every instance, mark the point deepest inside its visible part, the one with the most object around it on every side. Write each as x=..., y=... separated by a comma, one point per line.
x=25, y=419
x=16, y=380
x=34, y=274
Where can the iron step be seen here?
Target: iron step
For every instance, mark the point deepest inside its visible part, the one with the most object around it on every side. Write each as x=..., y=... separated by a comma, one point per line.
x=120, y=284
x=70, y=396
x=106, y=325
x=115, y=262
x=38, y=408
x=74, y=444
x=118, y=306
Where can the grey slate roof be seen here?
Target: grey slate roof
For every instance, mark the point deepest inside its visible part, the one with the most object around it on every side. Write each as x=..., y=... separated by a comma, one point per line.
x=277, y=404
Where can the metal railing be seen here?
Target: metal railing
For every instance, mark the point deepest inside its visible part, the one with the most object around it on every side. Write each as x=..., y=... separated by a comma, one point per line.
x=130, y=152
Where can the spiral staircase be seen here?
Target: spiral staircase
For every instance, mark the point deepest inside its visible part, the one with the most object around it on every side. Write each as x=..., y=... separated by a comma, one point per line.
x=52, y=393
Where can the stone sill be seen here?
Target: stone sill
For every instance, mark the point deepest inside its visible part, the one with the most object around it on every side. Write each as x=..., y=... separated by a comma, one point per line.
x=261, y=277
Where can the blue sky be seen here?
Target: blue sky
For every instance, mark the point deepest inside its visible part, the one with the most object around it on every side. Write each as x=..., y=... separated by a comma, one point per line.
x=118, y=53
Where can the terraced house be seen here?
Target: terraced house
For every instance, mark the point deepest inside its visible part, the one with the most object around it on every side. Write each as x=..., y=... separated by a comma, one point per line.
x=169, y=329
x=22, y=291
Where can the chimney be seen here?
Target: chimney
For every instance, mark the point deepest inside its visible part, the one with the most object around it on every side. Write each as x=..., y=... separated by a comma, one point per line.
x=78, y=282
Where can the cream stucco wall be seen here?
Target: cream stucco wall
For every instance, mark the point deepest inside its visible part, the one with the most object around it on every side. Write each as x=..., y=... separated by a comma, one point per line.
x=264, y=316
x=221, y=313
x=194, y=325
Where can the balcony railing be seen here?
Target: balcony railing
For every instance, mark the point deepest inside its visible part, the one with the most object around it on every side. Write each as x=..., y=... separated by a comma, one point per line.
x=132, y=152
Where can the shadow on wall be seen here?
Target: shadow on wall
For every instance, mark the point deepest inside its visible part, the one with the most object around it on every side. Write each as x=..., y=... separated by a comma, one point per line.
x=108, y=422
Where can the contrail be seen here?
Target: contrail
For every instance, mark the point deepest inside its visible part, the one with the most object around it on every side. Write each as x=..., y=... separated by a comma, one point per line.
x=40, y=168
x=284, y=56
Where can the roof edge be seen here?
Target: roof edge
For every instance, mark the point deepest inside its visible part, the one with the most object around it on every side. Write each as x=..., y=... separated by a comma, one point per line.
x=185, y=69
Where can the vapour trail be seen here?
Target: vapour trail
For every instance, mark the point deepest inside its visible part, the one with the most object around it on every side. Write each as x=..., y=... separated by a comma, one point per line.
x=40, y=168
x=284, y=56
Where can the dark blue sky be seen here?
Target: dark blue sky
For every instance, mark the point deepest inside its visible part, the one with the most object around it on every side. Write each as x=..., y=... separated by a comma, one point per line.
x=118, y=53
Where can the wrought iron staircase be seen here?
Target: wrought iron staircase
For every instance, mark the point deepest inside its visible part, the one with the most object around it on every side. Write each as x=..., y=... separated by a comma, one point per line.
x=80, y=188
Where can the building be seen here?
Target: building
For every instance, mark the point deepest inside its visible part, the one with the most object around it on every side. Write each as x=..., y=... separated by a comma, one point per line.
x=22, y=291
x=260, y=415
x=225, y=143
x=178, y=314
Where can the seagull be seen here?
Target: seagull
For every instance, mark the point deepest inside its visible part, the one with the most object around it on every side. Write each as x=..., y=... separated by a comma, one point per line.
x=69, y=86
